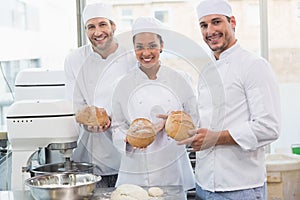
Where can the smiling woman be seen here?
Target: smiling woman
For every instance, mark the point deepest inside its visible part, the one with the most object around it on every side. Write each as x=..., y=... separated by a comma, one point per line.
x=42, y=33
x=143, y=94
x=147, y=50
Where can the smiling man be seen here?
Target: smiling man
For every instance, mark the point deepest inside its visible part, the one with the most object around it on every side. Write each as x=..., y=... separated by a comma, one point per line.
x=92, y=71
x=239, y=112
x=100, y=31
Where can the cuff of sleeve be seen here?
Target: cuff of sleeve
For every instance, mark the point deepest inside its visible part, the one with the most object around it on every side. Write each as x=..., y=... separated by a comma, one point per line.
x=244, y=137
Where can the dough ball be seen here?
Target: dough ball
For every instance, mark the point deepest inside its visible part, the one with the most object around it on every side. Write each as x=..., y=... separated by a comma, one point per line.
x=155, y=192
x=129, y=192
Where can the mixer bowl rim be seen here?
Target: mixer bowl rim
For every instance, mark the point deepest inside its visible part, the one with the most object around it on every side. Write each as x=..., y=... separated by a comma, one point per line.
x=29, y=181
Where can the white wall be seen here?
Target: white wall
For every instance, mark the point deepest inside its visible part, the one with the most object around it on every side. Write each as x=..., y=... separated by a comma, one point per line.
x=290, y=108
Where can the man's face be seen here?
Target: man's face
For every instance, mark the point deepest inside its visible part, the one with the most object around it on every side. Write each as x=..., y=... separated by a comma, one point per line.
x=100, y=33
x=217, y=32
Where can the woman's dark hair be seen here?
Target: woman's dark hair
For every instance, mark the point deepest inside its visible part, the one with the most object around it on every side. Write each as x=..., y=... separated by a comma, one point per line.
x=158, y=36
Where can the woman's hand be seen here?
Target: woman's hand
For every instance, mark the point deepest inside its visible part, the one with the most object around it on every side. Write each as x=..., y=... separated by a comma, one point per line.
x=159, y=126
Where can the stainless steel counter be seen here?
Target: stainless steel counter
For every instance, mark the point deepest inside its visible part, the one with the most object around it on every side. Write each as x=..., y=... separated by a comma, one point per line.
x=15, y=195
x=170, y=193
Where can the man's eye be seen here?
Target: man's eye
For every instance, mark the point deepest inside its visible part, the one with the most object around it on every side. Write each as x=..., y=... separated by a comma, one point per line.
x=216, y=22
x=90, y=27
x=203, y=26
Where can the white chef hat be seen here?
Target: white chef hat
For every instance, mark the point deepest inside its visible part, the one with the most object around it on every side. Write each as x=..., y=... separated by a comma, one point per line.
x=148, y=24
x=97, y=10
x=209, y=7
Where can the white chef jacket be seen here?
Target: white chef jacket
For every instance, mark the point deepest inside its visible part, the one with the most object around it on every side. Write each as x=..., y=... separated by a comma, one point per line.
x=163, y=162
x=237, y=93
x=90, y=80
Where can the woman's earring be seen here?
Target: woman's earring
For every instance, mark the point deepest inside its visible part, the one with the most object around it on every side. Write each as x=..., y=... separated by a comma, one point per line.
x=160, y=51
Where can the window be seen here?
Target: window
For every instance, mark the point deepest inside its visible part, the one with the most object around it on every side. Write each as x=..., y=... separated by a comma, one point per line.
x=19, y=15
x=253, y=14
x=284, y=56
x=6, y=16
x=127, y=17
x=298, y=10
x=9, y=71
x=162, y=15
x=32, y=36
x=44, y=39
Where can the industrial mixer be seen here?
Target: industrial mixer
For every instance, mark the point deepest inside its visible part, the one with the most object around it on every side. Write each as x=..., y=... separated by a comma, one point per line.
x=40, y=118
x=34, y=124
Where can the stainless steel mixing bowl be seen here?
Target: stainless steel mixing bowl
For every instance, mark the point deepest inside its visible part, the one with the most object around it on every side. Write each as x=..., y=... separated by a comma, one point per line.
x=61, y=186
x=80, y=167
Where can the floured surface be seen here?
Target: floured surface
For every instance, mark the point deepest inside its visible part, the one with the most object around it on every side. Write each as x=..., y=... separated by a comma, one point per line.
x=170, y=193
x=129, y=192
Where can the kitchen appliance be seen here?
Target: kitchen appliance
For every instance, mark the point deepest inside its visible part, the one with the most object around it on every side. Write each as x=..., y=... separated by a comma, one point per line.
x=34, y=124
x=39, y=83
x=75, y=167
x=40, y=120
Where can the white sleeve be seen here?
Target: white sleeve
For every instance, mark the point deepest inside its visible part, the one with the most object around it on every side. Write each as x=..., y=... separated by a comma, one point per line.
x=119, y=123
x=73, y=92
x=263, y=100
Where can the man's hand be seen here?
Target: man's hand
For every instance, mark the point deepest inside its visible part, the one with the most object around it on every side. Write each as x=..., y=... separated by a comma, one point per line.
x=201, y=139
x=204, y=139
x=99, y=129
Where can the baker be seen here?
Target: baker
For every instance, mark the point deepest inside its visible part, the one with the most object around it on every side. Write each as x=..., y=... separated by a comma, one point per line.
x=92, y=72
x=239, y=112
x=145, y=92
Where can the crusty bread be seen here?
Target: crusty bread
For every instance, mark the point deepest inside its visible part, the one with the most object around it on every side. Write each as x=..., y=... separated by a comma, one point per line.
x=92, y=116
x=178, y=124
x=141, y=133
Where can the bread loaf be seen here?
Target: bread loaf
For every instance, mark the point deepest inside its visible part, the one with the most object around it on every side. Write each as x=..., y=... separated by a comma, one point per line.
x=178, y=124
x=92, y=116
x=141, y=133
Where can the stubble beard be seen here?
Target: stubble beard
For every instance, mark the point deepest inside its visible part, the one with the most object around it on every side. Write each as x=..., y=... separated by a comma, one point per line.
x=106, y=46
x=220, y=48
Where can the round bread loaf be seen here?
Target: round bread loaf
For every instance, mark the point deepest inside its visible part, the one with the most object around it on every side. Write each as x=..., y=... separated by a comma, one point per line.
x=141, y=133
x=92, y=116
x=129, y=192
x=178, y=124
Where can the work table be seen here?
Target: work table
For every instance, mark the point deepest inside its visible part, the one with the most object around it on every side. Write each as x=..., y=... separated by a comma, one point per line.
x=171, y=193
